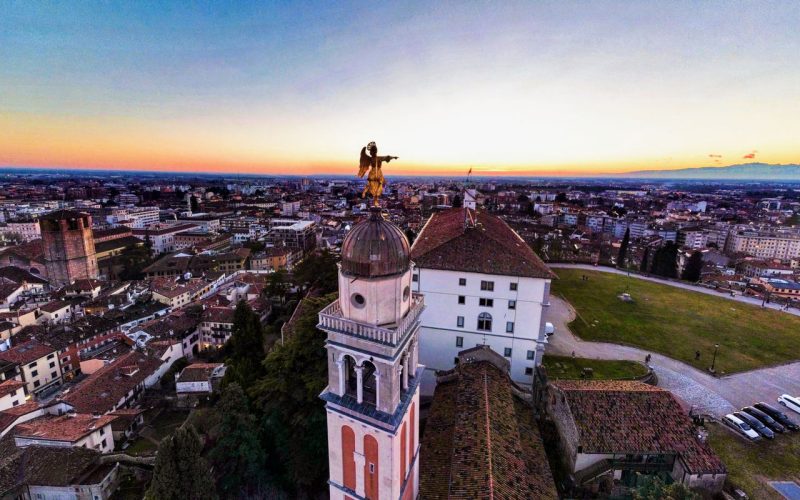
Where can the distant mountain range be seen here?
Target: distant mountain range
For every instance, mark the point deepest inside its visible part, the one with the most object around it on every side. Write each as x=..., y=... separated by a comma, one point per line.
x=745, y=171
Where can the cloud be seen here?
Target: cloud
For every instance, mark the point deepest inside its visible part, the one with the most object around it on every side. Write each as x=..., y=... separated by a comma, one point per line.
x=714, y=156
x=750, y=156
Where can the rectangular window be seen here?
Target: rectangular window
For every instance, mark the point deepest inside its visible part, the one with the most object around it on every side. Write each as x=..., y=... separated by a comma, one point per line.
x=530, y=355
x=102, y=431
x=52, y=364
x=487, y=285
x=459, y=341
x=462, y=281
x=415, y=277
x=512, y=304
x=509, y=327
x=462, y=299
x=529, y=371
x=50, y=356
x=371, y=468
x=35, y=373
x=32, y=365
x=507, y=352
x=53, y=375
x=37, y=383
x=460, y=321
x=484, y=302
x=513, y=287
x=484, y=322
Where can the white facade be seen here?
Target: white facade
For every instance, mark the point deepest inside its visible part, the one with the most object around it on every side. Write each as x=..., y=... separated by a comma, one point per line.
x=449, y=326
x=775, y=246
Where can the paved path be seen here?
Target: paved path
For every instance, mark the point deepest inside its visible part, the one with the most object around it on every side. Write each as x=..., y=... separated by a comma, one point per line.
x=716, y=396
x=679, y=284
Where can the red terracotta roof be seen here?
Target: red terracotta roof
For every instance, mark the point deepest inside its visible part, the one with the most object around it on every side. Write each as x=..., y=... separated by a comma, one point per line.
x=10, y=386
x=69, y=427
x=103, y=389
x=633, y=417
x=489, y=246
x=26, y=352
x=480, y=441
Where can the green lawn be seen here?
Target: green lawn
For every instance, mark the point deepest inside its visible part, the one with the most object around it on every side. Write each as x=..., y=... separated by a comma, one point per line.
x=678, y=322
x=751, y=465
x=141, y=446
x=565, y=367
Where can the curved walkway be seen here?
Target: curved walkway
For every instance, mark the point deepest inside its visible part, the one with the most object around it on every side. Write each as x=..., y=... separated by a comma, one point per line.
x=715, y=396
x=679, y=284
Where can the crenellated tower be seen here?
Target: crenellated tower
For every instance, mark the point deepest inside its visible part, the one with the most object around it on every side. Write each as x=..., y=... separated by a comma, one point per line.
x=372, y=398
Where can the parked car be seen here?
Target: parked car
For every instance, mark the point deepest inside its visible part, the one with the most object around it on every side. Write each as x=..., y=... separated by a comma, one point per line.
x=740, y=426
x=756, y=424
x=769, y=421
x=549, y=329
x=790, y=402
x=777, y=415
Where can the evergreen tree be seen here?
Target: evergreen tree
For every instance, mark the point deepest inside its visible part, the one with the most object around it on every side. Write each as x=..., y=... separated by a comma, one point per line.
x=180, y=471
x=458, y=202
x=693, y=268
x=278, y=285
x=623, y=248
x=411, y=236
x=246, y=347
x=665, y=261
x=294, y=423
x=194, y=205
x=238, y=457
x=645, y=258
x=318, y=270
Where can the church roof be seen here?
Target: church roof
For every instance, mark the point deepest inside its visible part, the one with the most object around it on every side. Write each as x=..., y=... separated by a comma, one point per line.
x=481, y=441
x=461, y=239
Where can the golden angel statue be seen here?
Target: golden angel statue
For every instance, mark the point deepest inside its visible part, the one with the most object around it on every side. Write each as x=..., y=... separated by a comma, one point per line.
x=375, y=179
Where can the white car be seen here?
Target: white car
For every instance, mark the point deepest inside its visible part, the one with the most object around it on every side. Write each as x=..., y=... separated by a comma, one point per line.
x=740, y=426
x=791, y=402
x=549, y=329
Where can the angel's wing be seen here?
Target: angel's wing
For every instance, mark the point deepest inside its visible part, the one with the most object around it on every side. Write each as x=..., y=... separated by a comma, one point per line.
x=364, y=162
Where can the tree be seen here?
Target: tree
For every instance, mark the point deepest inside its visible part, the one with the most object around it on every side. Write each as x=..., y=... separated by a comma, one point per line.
x=411, y=236
x=194, y=205
x=294, y=423
x=653, y=488
x=278, y=285
x=623, y=248
x=665, y=261
x=238, y=457
x=458, y=202
x=246, y=347
x=645, y=258
x=693, y=268
x=318, y=270
x=180, y=471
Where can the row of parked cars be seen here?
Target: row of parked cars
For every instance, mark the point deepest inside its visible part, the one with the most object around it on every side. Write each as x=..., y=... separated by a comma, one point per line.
x=763, y=420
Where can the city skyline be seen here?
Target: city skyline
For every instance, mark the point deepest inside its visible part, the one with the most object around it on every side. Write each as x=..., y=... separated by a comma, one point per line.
x=546, y=89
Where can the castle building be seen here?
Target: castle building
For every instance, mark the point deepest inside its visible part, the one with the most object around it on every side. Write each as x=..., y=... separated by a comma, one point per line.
x=372, y=398
x=68, y=245
x=483, y=286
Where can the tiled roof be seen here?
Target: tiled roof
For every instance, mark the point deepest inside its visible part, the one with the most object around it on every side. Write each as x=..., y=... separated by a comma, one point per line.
x=10, y=386
x=633, y=417
x=489, y=246
x=69, y=427
x=198, y=372
x=103, y=389
x=216, y=314
x=54, y=306
x=26, y=352
x=480, y=441
x=18, y=275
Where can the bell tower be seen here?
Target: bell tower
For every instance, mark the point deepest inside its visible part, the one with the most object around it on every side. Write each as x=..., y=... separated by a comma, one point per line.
x=372, y=398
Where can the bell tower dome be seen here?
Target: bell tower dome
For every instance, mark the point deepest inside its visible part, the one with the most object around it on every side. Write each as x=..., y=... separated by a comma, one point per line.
x=372, y=398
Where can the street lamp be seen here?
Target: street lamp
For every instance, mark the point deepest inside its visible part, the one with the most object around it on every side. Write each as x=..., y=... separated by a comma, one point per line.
x=714, y=360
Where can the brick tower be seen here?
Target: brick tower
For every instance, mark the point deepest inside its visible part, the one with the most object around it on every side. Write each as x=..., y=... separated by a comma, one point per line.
x=372, y=398
x=68, y=243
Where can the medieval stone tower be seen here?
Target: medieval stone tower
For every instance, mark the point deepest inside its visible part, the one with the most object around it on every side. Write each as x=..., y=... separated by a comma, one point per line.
x=68, y=243
x=372, y=398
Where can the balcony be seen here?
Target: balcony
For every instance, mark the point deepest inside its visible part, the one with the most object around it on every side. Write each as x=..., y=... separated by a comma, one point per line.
x=331, y=318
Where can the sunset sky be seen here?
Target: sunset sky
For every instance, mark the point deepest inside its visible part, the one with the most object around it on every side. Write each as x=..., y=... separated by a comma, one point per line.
x=525, y=88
